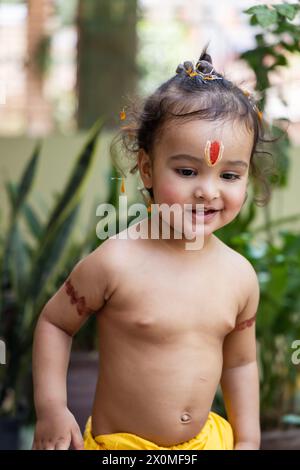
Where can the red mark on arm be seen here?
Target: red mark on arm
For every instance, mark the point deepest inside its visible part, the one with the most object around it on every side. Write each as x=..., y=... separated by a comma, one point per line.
x=75, y=299
x=245, y=324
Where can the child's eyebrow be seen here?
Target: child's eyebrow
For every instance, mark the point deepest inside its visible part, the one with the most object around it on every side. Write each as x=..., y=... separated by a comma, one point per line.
x=184, y=156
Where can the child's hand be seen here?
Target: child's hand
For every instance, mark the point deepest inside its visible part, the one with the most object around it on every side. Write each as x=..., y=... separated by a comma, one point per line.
x=56, y=431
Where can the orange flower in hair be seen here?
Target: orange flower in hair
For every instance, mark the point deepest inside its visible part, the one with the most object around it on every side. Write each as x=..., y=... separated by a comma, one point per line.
x=123, y=185
x=254, y=106
x=259, y=114
x=122, y=115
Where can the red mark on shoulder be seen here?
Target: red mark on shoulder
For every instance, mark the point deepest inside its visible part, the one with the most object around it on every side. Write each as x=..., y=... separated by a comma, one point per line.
x=75, y=299
x=245, y=324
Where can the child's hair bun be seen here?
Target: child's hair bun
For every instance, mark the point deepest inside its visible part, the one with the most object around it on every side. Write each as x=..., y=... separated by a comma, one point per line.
x=204, y=63
x=204, y=66
x=187, y=66
x=205, y=56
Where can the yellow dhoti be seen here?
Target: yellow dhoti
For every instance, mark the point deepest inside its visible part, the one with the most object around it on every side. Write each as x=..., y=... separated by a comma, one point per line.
x=216, y=434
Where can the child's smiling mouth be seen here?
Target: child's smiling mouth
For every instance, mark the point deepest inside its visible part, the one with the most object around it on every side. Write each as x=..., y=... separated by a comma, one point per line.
x=206, y=214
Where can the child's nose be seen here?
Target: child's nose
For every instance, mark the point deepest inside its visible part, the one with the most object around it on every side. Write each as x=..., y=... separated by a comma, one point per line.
x=207, y=190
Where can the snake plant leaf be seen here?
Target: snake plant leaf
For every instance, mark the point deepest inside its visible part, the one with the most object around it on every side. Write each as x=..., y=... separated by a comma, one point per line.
x=114, y=187
x=43, y=269
x=27, y=179
x=17, y=195
x=11, y=191
x=51, y=252
x=78, y=178
x=32, y=221
x=92, y=241
x=63, y=215
x=19, y=261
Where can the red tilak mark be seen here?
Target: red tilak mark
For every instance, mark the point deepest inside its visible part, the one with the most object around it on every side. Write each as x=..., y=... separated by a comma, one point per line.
x=214, y=152
x=245, y=324
x=75, y=299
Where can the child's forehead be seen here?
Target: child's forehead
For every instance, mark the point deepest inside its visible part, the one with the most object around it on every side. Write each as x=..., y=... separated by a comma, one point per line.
x=194, y=135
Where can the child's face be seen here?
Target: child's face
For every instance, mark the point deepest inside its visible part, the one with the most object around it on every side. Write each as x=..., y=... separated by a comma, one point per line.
x=186, y=180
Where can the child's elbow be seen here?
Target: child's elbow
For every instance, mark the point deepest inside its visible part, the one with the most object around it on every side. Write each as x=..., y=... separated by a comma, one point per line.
x=48, y=320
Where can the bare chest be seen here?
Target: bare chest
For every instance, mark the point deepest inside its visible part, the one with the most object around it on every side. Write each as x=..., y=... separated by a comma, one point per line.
x=173, y=301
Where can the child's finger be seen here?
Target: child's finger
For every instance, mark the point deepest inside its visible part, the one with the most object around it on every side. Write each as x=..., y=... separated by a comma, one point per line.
x=77, y=440
x=37, y=445
x=62, y=443
x=49, y=446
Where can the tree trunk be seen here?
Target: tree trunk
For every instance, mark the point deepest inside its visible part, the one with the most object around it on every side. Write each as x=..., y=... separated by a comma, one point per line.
x=37, y=108
x=106, y=69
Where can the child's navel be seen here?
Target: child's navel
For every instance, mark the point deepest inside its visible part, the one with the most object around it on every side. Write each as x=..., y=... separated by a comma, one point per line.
x=185, y=418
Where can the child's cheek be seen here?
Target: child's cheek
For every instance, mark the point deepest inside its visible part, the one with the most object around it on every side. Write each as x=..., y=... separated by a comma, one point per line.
x=238, y=201
x=168, y=193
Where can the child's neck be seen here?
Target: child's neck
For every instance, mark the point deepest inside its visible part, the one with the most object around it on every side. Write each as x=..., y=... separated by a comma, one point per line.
x=181, y=245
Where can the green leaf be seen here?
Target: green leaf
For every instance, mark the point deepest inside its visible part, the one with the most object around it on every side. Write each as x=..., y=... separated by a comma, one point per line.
x=290, y=47
x=50, y=254
x=17, y=195
x=74, y=186
x=19, y=261
x=27, y=178
x=256, y=9
x=253, y=21
x=32, y=221
x=62, y=216
x=281, y=60
x=11, y=191
x=114, y=190
x=267, y=17
x=260, y=39
x=44, y=268
x=286, y=10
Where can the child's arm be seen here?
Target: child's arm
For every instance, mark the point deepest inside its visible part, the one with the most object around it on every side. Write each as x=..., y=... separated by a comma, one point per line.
x=85, y=291
x=240, y=382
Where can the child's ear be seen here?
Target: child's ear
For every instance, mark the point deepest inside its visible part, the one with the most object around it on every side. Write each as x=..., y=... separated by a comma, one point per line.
x=145, y=168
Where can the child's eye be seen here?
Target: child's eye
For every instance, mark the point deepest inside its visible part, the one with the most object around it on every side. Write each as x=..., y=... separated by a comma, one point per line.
x=231, y=176
x=185, y=171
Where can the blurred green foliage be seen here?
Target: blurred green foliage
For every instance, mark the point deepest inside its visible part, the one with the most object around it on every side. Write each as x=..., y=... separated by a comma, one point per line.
x=278, y=321
x=279, y=35
x=31, y=267
x=273, y=251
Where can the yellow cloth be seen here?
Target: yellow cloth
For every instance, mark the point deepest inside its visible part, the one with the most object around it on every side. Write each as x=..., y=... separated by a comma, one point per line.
x=216, y=434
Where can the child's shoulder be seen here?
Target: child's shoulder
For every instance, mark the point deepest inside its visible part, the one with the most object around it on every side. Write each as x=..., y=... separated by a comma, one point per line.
x=108, y=254
x=112, y=253
x=239, y=264
x=242, y=276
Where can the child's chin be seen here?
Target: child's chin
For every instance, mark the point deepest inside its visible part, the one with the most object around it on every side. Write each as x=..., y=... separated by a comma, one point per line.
x=192, y=230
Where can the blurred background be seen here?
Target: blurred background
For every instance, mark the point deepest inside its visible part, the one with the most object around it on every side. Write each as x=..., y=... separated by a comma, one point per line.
x=67, y=69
